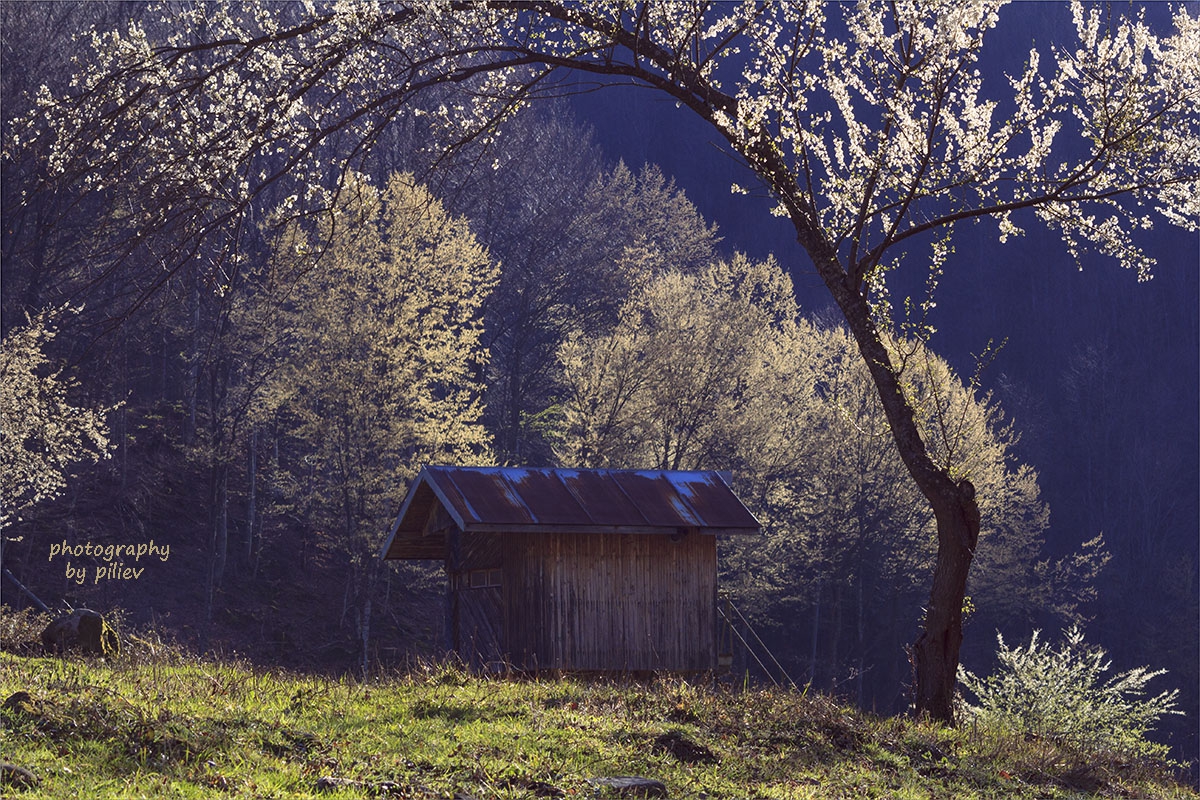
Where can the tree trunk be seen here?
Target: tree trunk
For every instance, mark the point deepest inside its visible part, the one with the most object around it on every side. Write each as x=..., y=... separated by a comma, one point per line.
x=860, y=624
x=193, y=385
x=370, y=573
x=252, y=496
x=935, y=653
x=219, y=539
x=365, y=631
x=833, y=658
x=816, y=632
x=123, y=423
x=515, y=393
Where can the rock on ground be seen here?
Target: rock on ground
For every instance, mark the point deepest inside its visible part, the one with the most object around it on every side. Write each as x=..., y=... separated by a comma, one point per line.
x=84, y=630
x=631, y=786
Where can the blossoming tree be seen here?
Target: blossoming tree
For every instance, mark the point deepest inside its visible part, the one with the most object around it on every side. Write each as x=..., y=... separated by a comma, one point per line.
x=872, y=125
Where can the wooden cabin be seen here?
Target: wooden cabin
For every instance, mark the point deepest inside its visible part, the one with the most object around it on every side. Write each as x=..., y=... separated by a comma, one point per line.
x=581, y=570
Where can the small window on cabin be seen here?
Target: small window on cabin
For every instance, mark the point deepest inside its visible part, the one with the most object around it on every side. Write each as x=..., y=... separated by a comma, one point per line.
x=483, y=578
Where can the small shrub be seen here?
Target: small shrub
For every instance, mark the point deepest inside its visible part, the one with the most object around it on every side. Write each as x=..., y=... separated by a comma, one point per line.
x=1061, y=694
x=20, y=631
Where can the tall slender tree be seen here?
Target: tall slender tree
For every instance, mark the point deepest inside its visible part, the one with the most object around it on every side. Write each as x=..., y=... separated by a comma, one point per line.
x=377, y=341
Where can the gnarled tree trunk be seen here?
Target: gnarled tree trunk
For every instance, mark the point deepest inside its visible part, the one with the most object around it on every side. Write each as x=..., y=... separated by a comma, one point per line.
x=935, y=653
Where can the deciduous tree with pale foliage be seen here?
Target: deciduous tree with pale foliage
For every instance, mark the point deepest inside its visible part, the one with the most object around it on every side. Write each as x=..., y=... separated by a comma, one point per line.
x=870, y=124
x=716, y=370
x=375, y=323
x=42, y=434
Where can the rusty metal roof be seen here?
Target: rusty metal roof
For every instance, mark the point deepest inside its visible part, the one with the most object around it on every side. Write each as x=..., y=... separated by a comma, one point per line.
x=518, y=499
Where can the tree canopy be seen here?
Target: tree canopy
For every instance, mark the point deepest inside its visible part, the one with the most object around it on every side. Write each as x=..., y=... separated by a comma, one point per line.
x=715, y=369
x=377, y=325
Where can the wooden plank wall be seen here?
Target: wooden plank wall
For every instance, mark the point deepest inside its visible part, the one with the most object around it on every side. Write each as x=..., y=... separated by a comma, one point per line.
x=477, y=613
x=480, y=622
x=613, y=602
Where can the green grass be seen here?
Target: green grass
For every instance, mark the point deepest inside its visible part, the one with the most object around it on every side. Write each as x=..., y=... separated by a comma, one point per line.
x=166, y=725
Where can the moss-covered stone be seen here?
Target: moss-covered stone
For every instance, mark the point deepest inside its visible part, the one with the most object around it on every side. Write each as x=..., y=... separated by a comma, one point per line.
x=82, y=630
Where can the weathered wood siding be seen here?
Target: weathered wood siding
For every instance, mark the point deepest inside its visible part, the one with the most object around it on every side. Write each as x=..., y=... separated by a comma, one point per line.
x=622, y=602
x=474, y=568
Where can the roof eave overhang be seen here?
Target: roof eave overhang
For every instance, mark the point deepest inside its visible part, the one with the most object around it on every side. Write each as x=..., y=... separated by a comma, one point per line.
x=424, y=478
x=610, y=529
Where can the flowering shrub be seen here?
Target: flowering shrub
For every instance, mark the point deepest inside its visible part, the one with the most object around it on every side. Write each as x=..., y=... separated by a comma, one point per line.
x=1061, y=692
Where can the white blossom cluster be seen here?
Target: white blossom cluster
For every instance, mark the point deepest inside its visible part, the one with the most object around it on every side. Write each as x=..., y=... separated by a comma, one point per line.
x=871, y=123
x=889, y=128
x=211, y=113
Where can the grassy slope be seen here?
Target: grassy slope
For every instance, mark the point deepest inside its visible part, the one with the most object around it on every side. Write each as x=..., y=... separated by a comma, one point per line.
x=170, y=726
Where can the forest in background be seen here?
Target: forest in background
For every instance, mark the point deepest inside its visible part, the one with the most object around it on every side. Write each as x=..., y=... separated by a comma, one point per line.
x=266, y=428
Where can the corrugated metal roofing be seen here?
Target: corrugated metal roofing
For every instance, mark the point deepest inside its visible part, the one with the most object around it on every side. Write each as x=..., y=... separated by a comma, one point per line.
x=510, y=499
